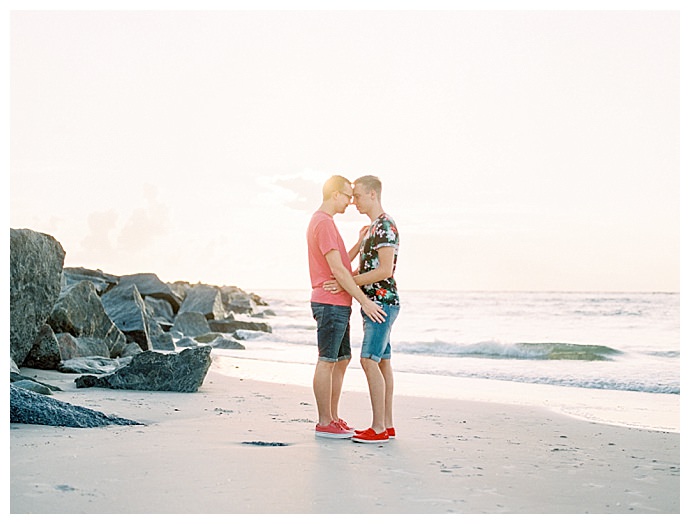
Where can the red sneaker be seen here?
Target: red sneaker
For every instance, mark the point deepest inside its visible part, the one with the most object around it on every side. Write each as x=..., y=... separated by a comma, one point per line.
x=391, y=432
x=369, y=436
x=333, y=430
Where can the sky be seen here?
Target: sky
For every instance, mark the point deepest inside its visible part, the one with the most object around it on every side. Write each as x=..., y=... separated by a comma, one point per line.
x=519, y=150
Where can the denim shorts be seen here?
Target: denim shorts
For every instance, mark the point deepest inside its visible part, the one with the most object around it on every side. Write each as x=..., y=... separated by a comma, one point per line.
x=376, y=343
x=333, y=331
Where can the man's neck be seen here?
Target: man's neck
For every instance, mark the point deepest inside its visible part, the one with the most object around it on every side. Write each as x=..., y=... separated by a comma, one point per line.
x=375, y=212
x=326, y=207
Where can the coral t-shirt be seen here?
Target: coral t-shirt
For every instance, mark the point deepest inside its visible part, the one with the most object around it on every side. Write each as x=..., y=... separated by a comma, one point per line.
x=323, y=236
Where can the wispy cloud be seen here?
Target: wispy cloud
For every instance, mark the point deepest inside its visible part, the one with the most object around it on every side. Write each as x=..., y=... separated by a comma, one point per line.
x=98, y=240
x=113, y=235
x=300, y=191
x=145, y=224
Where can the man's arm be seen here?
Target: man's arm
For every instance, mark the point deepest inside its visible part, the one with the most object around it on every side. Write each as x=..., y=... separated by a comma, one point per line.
x=384, y=271
x=354, y=250
x=344, y=278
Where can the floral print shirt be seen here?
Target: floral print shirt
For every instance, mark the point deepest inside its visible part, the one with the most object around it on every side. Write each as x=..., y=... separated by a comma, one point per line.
x=382, y=233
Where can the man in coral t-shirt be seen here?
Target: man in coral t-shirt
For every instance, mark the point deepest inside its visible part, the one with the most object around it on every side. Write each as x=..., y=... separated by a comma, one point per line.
x=328, y=259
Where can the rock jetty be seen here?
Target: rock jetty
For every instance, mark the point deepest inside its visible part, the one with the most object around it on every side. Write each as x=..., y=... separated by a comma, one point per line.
x=118, y=332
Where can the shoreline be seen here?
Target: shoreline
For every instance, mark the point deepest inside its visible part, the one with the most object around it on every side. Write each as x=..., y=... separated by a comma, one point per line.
x=210, y=452
x=652, y=411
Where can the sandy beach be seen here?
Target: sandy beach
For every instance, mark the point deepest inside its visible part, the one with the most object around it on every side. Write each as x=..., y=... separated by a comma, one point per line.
x=246, y=446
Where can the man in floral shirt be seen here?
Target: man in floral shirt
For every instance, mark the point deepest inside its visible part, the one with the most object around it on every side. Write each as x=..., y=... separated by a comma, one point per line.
x=378, y=255
x=381, y=233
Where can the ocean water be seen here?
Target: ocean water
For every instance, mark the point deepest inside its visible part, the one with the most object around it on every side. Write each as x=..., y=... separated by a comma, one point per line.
x=603, y=342
x=617, y=341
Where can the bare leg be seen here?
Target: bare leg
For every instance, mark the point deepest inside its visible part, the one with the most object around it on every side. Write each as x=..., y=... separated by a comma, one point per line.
x=377, y=392
x=387, y=372
x=337, y=385
x=323, y=386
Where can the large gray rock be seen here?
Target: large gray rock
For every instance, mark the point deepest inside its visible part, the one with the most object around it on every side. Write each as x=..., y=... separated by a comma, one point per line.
x=218, y=341
x=17, y=378
x=126, y=308
x=186, y=342
x=130, y=350
x=45, y=353
x=159, y=339
x=235, y=300
x=160, y=310
x=153, y=371
x=102, y=282
x=149, y=285
x=75, y=347
x=28, y=407
x=36, y=261
x=98, y=365
x=80, y=312
x=258, y=300
x=231, y=326
x=226, y=343
x=180, y=288
x=206, y=300
x=191, y=324
x=163, y=342
x=32, y=385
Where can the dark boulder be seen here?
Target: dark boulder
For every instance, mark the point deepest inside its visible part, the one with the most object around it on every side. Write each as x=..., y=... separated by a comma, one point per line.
x=180, y=288
x=75, y=347
x=149, y=285
x=236, y=301
x=204, y=299
x=186, y=342
x=126, y=308
x=17, y=377
x=80, y=312
x=226, y=343
x=162, y=342
x=153, y=371
x=45, y=353
x=258, y=300
x=28, y=407
x=160, y=310
x=32, y=385
x=207, y=338
x=36, y=261
x=98, y=365
x=130, y=350
x=191, y=324
x=102, y=282
x=264, y=314
x=219, y=341
x=231, y=326
x=159, y=339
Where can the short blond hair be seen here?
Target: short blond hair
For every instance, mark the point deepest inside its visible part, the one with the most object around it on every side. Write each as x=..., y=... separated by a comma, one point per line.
x=370, y=183
x=333, y=184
